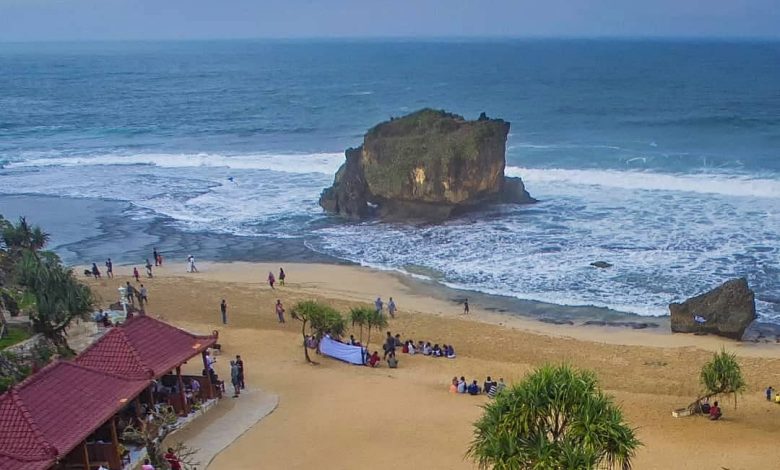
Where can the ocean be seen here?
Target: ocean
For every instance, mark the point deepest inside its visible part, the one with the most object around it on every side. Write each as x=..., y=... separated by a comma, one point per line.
x=659, y=157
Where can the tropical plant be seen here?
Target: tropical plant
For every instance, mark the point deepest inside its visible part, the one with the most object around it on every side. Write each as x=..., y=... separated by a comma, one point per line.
x=721, y=376
x=23, y=235
x=375, y=320
x=359, y=317
x=59, y=297
x=151, y=432
x=321, y=319
x=556, y=418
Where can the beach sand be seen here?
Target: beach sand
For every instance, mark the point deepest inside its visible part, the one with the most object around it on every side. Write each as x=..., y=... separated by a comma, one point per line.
x=339, y=416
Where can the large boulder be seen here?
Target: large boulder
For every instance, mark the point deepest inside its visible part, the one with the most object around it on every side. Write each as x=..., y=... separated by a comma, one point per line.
x=728, y=311
x=426, y=165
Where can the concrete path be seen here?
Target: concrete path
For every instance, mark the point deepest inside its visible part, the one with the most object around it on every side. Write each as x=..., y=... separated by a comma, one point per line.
x=219, y=427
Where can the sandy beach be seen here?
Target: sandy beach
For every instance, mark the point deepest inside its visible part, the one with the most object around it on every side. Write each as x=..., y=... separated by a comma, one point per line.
x=339, y=416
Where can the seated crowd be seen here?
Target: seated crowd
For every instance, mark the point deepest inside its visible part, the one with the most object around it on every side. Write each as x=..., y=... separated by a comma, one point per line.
x=491, y=388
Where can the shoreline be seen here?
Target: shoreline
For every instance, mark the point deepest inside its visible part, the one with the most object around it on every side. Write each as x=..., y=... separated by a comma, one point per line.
x=356, y=283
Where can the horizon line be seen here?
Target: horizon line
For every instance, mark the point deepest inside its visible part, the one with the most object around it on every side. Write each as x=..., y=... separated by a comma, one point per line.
x=405, y=38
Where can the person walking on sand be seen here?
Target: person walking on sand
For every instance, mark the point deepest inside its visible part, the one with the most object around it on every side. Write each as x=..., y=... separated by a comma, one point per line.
x=282, y=275
x=391, y=307
x=95, y=271
x=130, y=293
x=240, y=365
x=280, y=310
x=136, y=275
x=234, y=379
x=223, y=309
x=466, y=307
x=378, y=304
x=156, y=256
x=109, y=268
x=148, y=268
x=271, y=279
x=142, y=292
x=191, y=261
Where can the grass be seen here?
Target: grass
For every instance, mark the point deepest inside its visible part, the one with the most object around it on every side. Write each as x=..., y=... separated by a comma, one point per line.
x=13, y=336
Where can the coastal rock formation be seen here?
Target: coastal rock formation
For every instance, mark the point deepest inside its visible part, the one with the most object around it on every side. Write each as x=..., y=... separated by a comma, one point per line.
x=728, y=311
x=601, y=264
x=426, y=165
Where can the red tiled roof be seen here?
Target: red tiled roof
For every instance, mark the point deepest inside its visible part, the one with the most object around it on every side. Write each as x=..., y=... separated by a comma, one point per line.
x=143, y=347
x=45, y=417
x=50, y=413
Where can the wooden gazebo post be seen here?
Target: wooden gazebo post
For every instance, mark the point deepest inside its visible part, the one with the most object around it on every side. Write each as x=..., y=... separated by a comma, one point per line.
x=115, y=440
x=85, y=455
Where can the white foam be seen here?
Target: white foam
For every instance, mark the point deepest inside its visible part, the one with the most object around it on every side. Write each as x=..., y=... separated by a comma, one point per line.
x=709, y=183
x=326, y=163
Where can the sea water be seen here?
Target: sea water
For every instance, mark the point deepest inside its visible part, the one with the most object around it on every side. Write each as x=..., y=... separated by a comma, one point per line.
x=661, y=158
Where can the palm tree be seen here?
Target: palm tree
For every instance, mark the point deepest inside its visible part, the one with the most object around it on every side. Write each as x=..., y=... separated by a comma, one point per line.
x=320, y=319
x=23, y=235
x=721, y=376
x=59, y=297
x=359, y=316
x=374, y=319
x=556, y=418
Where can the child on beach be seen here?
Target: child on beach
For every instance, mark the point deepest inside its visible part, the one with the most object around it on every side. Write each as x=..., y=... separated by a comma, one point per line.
x=271, y=279
x=466, y=307
x=136, y=275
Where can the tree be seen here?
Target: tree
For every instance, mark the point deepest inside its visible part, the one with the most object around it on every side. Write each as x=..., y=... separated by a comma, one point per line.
x=320, y=319
x=374, y=319
x=151, y=432
x=359, y=316
x=23, y=235
x=59, y=297
x=721, y=376
x=556, y=418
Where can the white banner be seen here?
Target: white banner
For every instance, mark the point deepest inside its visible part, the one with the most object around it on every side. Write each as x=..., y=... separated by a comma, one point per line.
x=344, y=352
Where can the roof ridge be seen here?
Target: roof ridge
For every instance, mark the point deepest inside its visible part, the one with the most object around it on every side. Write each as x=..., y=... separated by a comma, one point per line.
x=136, y=354
x=170, y=327
x=47, y=447
x=95, y=370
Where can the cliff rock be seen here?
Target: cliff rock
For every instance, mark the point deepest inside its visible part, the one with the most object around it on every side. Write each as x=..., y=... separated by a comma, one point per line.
x=728, y=310
x=426, y=165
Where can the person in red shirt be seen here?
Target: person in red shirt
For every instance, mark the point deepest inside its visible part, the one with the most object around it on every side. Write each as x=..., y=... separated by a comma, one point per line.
x=374, y=359
x=172, y=460
x=715, y=412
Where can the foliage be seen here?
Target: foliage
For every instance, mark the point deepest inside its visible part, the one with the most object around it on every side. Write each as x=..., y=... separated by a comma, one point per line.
x=375, y=320
x=320, y=319
x=59, y=297
x=23, y=235
x=359, y=317
x=557, y=418
x=12, y=336
x=721, y=376
x=13, y=369
x=151, y=434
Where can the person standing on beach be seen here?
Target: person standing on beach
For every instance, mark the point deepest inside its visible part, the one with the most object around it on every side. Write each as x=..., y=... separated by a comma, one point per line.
x=95, y=271
x=391, y=307
x=156, y=256
x=130, y=293
x=240, y=365
x=234, y=379
x=143, y=295
x=148, y=268
x=466, y=307
x=136, y=275
x=378, y=304
x=109, y=268
x=191, y=261
x=282, y=275
x=280, y=310
x=389, y=346
x=223, y=309
x=271, y=279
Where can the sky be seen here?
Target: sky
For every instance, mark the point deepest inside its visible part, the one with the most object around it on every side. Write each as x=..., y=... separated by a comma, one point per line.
x=65, y=20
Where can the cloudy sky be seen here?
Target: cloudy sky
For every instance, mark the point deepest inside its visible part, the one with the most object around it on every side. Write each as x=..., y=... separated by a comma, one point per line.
x=31, y=20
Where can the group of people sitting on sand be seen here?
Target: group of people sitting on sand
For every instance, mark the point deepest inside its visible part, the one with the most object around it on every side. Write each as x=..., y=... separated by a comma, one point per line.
x=425, y=348
x=491, y=388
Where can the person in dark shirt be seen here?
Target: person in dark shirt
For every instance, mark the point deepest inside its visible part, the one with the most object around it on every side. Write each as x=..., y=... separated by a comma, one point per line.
x=489, y=383
x=240, y=364
x=473, y=389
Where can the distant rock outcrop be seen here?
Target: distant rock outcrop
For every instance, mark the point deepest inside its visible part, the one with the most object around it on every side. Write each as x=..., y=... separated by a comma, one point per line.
x=601, y=264
x=727, y=311
x=426, y=165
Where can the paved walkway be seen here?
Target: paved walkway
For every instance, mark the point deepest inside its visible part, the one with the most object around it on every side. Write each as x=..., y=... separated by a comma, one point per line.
x=219, y=427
